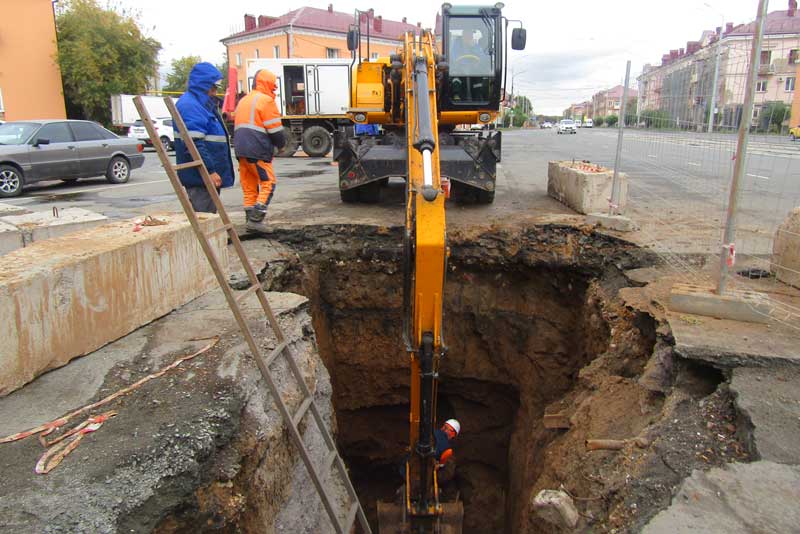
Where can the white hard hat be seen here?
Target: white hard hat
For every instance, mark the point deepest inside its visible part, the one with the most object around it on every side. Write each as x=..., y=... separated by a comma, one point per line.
x=454, y=424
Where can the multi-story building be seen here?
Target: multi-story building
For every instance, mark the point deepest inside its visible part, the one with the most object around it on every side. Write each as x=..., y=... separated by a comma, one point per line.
x=609, y=102
x=30, y=79
x=309, y=32
x=579, y=111
x=682, y=86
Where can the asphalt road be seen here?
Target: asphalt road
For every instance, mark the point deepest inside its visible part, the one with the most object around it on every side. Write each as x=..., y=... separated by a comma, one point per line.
x=678, y=186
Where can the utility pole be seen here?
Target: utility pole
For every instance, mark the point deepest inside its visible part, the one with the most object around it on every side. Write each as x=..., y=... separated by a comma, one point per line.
x=713, y=105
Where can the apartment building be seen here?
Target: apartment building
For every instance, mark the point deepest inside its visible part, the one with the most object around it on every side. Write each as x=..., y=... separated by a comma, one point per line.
x=309, y=32
x=30, y=79
x=683, y=84
x=609, y=102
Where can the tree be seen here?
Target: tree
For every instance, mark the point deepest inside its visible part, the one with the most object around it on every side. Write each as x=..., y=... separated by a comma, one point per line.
x=598, y=121
x=101, y=53
x=773, y=115
x=223, y=68
x=178, y=75
x=630, y=112
x=611, y=120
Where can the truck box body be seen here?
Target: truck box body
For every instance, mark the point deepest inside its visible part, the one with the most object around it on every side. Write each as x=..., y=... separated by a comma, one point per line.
x=123, y=112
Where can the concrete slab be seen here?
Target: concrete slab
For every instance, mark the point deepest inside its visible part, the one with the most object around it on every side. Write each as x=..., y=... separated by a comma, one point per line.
x=618, y=223
x=584, y=188
x=769, y=401
x=41, y=225
x=10, y=238
x=65, y=297
x=786, y=250
x=747, y=306
x=740, y=499
x=729, y=344
x=10, y=209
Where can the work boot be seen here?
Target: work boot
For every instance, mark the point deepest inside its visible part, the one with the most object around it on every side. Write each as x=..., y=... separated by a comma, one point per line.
x=255, y=219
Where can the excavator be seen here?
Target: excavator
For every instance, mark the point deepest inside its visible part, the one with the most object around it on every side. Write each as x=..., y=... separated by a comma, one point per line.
x=467, y=79
x=418, y=95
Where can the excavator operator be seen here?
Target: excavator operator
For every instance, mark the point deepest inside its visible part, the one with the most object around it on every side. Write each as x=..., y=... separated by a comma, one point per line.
x=443, y=438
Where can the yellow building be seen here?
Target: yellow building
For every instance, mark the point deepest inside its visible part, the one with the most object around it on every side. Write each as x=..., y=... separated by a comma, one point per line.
x=30, y=79
x=309, y=32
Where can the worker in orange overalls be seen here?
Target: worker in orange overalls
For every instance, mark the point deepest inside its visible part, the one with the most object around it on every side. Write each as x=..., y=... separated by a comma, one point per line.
x=257, y=133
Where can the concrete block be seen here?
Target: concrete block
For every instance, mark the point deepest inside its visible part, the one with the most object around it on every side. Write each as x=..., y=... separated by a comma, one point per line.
x=66, y=297
x=786, y=250
x=10, y=238
x=41, y=225
x=584, y=188
x=618, y=223
x=747, y=306
x=10, y=209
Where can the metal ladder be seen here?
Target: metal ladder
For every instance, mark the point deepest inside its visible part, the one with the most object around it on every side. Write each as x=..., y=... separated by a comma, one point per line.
x=292, y=420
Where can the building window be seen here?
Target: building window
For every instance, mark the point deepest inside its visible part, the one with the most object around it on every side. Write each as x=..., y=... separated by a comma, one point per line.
x=276, y=51
x=766, y=57
x=332, y=53
x=258, y=54
x=240, y=86
x=794, y=56
x=761, y=86
x=790, y=83
x=2, y=107
x=374, y=56
x=238, y=59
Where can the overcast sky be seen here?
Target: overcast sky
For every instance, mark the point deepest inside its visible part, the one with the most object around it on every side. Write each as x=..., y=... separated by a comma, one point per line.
x=575, y=47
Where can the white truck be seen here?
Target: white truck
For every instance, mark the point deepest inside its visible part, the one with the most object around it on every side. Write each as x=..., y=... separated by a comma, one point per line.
x=123, y=112
x=312, y=95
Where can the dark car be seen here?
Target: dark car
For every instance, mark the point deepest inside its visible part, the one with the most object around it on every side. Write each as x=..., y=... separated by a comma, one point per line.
x=33, y=151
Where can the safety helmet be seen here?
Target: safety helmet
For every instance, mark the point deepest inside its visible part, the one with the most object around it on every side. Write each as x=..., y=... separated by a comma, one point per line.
x=455, y=425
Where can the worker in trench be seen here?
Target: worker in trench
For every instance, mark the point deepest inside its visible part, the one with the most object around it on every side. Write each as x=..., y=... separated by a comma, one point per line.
x=198, y=108
x=443, y=440
x=258, y=132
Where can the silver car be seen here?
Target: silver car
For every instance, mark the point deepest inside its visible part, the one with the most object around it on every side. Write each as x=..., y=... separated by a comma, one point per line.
x=33, y=151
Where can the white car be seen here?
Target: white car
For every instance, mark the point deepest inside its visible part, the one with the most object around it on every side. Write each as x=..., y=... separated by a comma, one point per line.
x=567, y=126
x=588, y=123
x=547, y=124
x=163, y=127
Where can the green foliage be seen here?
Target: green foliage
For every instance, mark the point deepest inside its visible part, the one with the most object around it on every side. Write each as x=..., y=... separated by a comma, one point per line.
x=101, y=53
x=179, y=73
x=657, y=118
x=223, y=68
x=598, y=121
x=773, y=115
x=630, y=112
x=611, y=120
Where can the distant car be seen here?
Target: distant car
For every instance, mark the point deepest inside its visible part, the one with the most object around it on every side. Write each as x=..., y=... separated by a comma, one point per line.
x=794, y=133
x=588, y=123
x=567, y=126
x=33, y=151
x=547, y=124
x=163, y=127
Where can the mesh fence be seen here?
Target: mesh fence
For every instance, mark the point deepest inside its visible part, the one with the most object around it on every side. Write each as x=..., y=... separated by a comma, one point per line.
x=679, y=152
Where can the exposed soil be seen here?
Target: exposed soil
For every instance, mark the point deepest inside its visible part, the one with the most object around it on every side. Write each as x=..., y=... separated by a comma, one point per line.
x=533, y=325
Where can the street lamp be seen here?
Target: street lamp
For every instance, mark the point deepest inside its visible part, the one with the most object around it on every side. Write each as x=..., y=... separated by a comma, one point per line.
x=513, y=96
x=713, y=103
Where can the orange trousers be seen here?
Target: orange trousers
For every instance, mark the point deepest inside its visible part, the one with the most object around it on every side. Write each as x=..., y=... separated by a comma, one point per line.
x=258, y=181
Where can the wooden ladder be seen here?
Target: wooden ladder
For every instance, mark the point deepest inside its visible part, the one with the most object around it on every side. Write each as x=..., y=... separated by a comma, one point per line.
x=342, y=525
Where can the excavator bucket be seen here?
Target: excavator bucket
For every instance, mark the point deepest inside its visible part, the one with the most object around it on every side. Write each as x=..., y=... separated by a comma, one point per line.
x=392, y=519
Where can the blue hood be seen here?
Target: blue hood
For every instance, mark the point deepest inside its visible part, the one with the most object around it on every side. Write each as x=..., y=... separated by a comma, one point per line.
x=203, y=77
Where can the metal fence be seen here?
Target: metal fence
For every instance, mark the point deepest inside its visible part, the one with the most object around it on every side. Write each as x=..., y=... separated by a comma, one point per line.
x=713, y=173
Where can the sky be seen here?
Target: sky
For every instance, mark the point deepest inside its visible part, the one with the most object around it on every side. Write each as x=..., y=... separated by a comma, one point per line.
x=575, y=48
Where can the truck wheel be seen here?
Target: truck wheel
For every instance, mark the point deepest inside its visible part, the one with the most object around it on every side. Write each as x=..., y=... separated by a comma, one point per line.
x=290, y=148
x=484, y=197
x=349, y=196
x=316, y=141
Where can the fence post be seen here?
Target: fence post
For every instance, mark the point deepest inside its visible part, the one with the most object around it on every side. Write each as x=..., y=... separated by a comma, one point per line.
x=614, y=200
x=727, y=255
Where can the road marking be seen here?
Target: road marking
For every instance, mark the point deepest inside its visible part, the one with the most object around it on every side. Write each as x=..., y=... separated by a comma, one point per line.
x=694, y=164
x=651, y=156
x=32, y=198
x=759, y=176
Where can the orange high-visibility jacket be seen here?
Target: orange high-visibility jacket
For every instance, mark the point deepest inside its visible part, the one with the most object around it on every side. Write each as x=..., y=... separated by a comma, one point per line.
x=258, y=126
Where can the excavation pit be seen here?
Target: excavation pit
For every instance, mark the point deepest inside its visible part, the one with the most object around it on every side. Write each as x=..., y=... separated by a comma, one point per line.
x=525, y=311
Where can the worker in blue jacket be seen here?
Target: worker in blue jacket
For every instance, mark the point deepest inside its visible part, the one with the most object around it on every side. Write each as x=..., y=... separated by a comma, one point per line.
x=204, y=124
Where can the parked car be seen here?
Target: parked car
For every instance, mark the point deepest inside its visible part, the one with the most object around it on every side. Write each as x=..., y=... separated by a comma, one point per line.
x=567, y=126
x=547, y=124
x=794, y=133
x=163, y=127
x=588, y=123
x=33, y=151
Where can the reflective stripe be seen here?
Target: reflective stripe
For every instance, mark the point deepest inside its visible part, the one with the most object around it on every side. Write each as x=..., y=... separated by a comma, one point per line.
x=194, y=134
x=251, y=127
x=253, y=108
x=272, y=121
x=276, y=129
x=216, y=138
